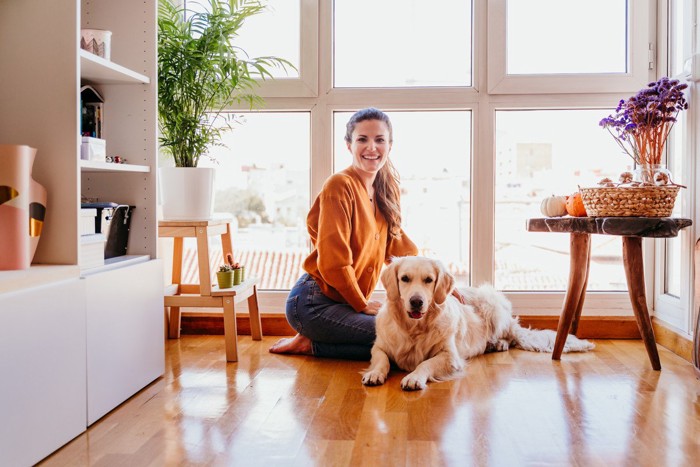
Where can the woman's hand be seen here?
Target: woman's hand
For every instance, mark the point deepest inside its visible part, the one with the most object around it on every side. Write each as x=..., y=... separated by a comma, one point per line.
x=458, y=295
x=372, y=308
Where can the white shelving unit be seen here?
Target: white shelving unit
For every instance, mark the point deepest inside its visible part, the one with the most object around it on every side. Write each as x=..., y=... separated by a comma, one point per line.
x=98, y=166
x=95, y=69
x=98, y=332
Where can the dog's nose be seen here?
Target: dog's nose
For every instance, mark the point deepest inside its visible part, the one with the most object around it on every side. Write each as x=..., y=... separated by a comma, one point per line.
x=416, y=303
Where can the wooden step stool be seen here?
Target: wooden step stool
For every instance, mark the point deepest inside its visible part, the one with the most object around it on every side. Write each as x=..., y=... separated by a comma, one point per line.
x=204, y=294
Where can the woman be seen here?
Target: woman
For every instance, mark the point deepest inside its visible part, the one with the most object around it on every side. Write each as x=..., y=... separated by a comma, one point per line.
x=355, y=227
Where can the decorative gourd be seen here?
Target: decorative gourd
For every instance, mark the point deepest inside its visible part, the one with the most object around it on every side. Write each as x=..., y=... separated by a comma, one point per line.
x=553, y=206
x=574, y=205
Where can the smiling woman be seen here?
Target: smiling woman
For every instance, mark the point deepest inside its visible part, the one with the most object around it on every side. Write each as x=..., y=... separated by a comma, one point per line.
x=355, y=226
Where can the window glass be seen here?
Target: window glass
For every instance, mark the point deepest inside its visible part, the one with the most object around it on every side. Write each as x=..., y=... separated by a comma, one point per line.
x=431, y=152
x=679, y=43
x=540, y=153
x=395, y=43
x=255, y=37
x=566, y=36
x=262, y=179
x=275, y=32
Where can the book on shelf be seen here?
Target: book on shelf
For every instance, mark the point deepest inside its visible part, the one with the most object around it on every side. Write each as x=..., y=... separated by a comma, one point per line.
x=91, y=112
x=92, y=251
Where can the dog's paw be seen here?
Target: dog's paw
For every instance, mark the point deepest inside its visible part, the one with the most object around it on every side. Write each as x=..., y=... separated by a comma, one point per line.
x=501, y=345
x=373, y=378
x=412, y=382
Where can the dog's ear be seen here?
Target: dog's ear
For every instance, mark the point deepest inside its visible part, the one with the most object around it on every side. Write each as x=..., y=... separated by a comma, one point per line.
x=444, y=284
x=390, y=281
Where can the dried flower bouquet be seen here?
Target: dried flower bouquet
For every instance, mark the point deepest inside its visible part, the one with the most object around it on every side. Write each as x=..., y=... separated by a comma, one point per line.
x=642, y=123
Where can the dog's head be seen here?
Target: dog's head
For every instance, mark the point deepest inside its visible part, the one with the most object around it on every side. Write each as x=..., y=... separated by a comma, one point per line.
x=418, y=283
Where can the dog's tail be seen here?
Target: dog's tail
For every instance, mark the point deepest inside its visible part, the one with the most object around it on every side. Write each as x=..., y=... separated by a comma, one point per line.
x=542, y=340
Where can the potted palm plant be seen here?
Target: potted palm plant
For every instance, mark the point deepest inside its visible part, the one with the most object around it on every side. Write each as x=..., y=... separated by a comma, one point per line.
x=201, y=74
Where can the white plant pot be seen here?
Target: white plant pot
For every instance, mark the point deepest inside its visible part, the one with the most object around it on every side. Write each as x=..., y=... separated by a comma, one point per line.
x=187, y=193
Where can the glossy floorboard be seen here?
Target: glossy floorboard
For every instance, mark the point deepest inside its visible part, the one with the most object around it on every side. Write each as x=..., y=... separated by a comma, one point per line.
x=603, y=408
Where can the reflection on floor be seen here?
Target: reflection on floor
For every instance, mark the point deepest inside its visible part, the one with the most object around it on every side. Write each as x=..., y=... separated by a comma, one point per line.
x=606, y=407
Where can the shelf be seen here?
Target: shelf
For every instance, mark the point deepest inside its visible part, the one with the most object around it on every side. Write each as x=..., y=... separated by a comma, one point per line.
x=98, y=166
x=97, y=70
x=37, y=275
x=116, y=263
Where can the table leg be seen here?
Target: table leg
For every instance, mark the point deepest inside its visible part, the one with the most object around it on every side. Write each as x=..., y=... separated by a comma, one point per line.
x=177, y=260
x=203, y=261
x=174, y=312
x=579, y=307
x=578, y=272
x=230, y=331
x=174, y=322
x=634, y=270
x=226, y=243
x=254, y=314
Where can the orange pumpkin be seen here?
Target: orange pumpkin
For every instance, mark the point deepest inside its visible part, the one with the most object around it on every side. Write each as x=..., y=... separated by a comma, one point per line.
x=574, y=205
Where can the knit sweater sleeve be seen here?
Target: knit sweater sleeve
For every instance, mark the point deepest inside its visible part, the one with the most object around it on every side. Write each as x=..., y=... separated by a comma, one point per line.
x=396, y=247
x=335, y=256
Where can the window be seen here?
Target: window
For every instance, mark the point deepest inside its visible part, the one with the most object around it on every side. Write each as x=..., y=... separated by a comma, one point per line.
x=284, y=18
x=495, y=104
x=672, y=298
x=533, y=38
x=286, y=29
x=540, y=153
x=262, y=178
x=550, y=46
x=394, y=43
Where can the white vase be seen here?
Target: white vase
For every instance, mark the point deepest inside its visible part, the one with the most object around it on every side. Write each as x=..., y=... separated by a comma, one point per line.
x=187, y=193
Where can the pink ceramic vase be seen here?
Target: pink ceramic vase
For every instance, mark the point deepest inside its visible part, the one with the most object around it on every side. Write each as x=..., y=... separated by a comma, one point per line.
x=22, y=207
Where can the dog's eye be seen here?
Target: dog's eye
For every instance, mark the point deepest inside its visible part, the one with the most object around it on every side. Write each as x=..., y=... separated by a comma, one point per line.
x=428, y=280
x=404, y=278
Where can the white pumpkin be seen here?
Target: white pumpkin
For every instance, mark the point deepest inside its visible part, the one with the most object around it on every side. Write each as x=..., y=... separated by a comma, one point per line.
x=553, y=206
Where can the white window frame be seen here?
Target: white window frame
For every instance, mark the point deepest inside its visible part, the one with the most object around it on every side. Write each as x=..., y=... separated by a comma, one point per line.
x=500, y=82
x=676, y=312
x=489, y=92
x=306, y=85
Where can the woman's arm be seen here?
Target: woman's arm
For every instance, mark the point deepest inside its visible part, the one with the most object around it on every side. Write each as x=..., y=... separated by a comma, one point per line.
x=399, y=247
x=335, y=257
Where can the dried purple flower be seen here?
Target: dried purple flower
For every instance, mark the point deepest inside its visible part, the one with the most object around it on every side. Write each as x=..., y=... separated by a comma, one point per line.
x=641, y=125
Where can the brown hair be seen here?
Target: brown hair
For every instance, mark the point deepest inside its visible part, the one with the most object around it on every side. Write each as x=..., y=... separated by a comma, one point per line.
x=387, y=193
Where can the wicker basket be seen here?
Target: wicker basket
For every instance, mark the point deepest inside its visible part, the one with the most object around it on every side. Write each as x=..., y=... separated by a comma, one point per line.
x=648, y=201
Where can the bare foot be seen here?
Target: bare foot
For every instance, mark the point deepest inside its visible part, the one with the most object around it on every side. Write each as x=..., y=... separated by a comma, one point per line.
x=297, y=345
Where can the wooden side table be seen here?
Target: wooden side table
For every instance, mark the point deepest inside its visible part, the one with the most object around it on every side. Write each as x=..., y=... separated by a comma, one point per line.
x=204, y=294
x=632, y=230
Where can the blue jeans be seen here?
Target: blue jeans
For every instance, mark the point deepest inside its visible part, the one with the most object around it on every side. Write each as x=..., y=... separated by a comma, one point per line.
x=335, y=329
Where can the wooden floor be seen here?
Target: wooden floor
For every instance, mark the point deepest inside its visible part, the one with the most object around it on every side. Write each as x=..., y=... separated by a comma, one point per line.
x=603, y=408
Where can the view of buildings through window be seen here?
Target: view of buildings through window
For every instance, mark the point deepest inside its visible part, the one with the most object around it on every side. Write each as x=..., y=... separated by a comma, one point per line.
x=550, y=152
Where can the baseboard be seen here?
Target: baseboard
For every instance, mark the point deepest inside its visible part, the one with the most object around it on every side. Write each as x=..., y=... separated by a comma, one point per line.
x=275, y=324
x=590, y=327
x=672, y=340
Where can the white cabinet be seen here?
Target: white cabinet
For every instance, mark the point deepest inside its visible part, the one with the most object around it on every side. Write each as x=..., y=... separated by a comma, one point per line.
x=70, y=356
x=42, y=368
x=125, y=345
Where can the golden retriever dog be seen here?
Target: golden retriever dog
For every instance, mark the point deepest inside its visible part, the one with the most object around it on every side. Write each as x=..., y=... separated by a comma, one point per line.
x=425, y=330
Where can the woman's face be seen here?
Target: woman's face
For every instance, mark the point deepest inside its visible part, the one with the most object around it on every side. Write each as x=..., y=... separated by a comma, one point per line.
x=370, y=146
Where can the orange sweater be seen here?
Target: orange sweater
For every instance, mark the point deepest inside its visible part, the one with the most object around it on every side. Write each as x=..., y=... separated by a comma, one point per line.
x=350, y=241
